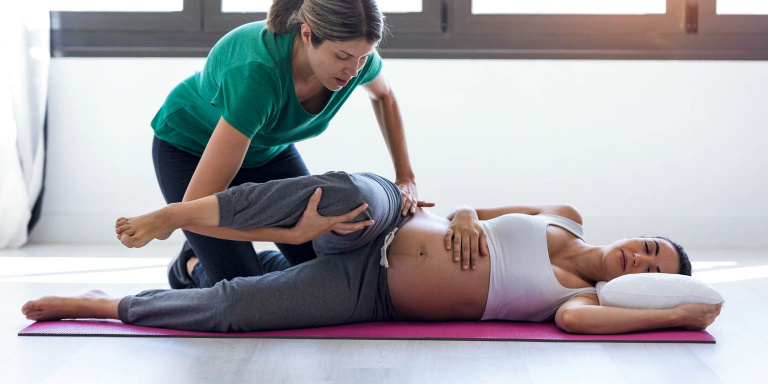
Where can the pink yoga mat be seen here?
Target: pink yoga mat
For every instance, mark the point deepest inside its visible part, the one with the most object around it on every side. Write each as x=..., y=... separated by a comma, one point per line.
x=490, y=330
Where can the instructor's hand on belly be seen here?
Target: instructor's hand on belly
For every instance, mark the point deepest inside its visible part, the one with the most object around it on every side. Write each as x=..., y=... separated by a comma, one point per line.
x=467, y=237
x=312, y=224
x=410, y=196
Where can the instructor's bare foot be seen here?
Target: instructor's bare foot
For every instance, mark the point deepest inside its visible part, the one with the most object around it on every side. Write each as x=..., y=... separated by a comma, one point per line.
x=136, y=232
x=93, y=304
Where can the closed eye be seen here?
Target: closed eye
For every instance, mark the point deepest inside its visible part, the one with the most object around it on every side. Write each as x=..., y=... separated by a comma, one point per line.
x=647, y=251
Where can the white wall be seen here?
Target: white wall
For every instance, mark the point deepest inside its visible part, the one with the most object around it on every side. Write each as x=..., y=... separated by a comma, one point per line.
x=640, y=147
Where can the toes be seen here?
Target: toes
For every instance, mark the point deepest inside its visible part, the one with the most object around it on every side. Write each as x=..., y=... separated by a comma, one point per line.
x=29, y=306
x=31, y=311
x=126, y=240
x=127, y=231
x=122, y=228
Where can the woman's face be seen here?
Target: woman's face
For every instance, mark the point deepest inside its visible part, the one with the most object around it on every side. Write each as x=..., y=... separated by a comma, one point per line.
x=334, y=63
x=640, y=255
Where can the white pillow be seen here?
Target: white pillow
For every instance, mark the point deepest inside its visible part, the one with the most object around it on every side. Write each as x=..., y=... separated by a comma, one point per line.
x=655, y=291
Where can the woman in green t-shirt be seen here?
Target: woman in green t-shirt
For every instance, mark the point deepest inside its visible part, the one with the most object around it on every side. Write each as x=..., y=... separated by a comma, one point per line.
x=266, y=85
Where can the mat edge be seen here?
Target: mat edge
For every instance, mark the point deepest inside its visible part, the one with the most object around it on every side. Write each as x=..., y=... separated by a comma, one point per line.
x=377, y=338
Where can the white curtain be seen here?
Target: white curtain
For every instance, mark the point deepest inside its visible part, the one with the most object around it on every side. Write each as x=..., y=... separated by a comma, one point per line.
x=24, y=47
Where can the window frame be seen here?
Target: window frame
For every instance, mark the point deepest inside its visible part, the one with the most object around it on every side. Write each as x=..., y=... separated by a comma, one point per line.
x=409, y=23
x=185, y=20
x=713, y=24
x=564, y=24
x=444, y=29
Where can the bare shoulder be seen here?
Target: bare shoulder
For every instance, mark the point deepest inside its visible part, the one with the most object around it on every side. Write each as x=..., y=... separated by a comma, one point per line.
x=565, y=210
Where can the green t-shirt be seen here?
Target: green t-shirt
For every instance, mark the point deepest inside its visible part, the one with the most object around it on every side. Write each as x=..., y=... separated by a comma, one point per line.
x=247, y=80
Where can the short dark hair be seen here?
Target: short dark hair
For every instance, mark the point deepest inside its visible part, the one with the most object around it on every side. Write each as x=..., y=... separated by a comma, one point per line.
x=685, y=263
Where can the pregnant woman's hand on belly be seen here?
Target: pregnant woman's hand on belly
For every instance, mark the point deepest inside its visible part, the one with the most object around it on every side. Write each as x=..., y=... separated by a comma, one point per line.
x=466, y=236
x=312, y=224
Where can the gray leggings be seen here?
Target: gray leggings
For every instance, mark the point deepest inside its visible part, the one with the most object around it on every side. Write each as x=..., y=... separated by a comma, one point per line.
x=345, y=284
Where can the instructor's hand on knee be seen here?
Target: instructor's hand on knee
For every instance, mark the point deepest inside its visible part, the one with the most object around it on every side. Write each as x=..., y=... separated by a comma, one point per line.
x=410, y=197
x=312, y=224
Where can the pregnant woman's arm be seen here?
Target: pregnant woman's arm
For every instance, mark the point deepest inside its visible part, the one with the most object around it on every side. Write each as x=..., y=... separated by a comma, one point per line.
x=566, y=211
x=583, y=314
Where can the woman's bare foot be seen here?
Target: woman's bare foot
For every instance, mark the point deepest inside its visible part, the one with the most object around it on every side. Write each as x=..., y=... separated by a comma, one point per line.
x=93, y=304
x=136, y=232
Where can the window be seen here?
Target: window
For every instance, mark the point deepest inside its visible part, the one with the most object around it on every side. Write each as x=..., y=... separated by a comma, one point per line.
x=572, y=7
x=742, y=7
x=542, y=29
x=554, y=27
x=745, y=21
x=386, y=6
x=117, y=6
x=230, y=6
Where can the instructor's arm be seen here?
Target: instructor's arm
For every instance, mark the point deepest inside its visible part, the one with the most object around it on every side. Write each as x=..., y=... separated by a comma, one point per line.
x=391, y=125
x=220, y=162
x=218, y=166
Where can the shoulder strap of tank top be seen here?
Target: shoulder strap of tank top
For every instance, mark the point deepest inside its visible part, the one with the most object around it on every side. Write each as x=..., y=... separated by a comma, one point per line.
x=568, y=224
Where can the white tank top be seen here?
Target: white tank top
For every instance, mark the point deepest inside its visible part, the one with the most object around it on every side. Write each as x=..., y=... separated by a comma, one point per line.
x=523, y=285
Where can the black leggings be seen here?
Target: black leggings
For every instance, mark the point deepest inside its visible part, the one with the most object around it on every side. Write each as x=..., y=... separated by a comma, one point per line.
x=226, y=259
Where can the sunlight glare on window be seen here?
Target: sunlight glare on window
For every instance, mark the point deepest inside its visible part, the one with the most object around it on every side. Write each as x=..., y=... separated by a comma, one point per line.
x=742, y=7
x=116, y=6
x=569, y=7
x=386, y=6
x=233, y=6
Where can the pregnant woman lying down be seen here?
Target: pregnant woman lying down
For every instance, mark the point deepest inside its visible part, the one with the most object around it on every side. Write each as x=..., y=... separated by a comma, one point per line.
x=375, y=265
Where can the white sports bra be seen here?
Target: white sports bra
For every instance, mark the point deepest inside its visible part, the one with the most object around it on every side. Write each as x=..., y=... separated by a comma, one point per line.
x=523, y=285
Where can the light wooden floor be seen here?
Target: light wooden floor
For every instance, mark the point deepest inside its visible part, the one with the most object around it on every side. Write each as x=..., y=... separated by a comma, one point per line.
x=37, y=270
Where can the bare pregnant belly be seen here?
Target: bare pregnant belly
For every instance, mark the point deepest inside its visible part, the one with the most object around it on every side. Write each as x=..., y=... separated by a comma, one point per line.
x=424, y=281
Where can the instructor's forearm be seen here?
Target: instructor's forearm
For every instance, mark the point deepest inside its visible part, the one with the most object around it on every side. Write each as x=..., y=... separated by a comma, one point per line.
x=221, y=160
x=595, y=319
x=391, y=125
